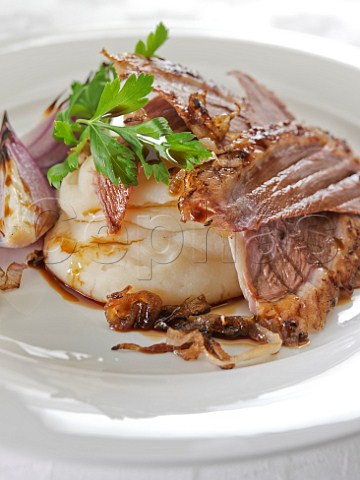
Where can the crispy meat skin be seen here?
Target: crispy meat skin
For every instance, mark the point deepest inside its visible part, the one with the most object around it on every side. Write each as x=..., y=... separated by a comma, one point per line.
x=275, y=169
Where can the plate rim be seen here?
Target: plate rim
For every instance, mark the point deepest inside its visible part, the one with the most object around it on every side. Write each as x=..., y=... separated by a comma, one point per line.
x=312, y=45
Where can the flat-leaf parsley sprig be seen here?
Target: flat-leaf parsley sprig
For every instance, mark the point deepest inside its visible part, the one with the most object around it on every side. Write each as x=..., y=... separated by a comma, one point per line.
x=87, y=120
x=153, y=41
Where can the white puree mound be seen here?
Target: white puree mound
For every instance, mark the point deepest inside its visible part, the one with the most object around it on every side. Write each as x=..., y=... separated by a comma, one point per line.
x=153, y=251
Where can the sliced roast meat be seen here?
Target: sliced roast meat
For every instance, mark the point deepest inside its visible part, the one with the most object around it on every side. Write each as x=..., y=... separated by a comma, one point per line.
x=261, y=106
x=273, y=173
x=160, y=107
x=291, y=271
x=207, y=110
x=292, y=255
x=155, y=108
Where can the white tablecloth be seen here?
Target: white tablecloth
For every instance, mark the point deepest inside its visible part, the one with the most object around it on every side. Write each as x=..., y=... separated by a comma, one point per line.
x=330, y=19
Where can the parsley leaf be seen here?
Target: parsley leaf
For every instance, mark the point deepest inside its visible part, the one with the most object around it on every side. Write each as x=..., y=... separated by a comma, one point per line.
x=129, y=98
x=184, y=151
x=64, y=131
x=153, y=41
x=83, y=101
x=57, y=173
x=180, y=149
x=135, y=135
x=86, y=120
x=112, y=159
x=85, y=97
x=154, y=128
x=158, y=170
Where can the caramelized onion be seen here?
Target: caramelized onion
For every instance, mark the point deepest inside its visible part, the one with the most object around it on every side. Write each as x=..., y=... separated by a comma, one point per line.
x=189, y=327
x=152, y=349
x=190, y=345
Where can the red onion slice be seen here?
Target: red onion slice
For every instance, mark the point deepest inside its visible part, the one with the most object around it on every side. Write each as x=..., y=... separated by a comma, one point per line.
x=42, y=146
x=28, y=207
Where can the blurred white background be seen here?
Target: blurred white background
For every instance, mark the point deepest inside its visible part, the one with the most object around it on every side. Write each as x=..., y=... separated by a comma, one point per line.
x=335, y=19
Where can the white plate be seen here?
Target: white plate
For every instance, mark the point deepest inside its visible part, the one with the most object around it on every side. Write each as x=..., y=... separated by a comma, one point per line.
x=63, y=390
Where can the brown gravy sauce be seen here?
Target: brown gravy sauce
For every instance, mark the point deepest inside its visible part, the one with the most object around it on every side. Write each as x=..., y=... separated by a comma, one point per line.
x=228, y=307
x=66, y=292
x=74, y=296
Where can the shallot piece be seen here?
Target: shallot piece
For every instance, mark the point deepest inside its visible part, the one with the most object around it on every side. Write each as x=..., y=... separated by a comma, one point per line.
x=28, y=207
x=11, y=278
x=190, y=328
x=40, y=143
x=190, y=345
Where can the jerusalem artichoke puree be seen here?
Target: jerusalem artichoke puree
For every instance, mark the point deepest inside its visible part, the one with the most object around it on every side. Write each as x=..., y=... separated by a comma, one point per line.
x=153, y=251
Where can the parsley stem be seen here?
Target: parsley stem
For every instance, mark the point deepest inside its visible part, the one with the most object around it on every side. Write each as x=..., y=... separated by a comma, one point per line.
x=83, y=121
